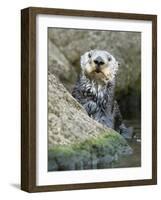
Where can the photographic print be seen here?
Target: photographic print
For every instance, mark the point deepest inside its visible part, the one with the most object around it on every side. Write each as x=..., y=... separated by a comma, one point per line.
x=101, y=126
x=88, y=99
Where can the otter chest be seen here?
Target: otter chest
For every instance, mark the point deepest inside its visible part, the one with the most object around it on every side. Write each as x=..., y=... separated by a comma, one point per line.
x=98, y=94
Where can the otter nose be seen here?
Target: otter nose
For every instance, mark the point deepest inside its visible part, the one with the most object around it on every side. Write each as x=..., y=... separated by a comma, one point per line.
x=99, y=61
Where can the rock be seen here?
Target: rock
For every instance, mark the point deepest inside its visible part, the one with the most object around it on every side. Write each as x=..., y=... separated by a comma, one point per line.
x=60, y=66
x=75, y=141
x=67, y=118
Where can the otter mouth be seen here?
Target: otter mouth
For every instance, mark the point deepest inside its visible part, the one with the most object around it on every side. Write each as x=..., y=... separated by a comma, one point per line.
x=98, y=71
x=98, y=76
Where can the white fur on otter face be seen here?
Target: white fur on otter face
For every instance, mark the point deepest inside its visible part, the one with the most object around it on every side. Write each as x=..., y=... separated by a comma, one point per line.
x=107, y=71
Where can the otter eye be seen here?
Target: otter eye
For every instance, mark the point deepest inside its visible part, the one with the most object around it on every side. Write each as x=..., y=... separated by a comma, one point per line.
x=109, y=58
x=89, y=55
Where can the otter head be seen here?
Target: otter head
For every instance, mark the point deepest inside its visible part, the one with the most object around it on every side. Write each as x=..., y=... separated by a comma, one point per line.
x=99, y=65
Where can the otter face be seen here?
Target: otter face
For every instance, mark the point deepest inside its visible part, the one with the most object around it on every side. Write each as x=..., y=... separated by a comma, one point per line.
x=99, y=65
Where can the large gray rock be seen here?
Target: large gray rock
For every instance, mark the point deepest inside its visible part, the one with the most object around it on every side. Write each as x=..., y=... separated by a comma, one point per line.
x=58, y=64
x=68, y=121
x=75, y=141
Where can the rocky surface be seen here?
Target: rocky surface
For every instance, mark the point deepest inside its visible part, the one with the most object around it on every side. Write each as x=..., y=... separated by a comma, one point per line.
x=76, y=141
x=67, y=120
x=58, y=64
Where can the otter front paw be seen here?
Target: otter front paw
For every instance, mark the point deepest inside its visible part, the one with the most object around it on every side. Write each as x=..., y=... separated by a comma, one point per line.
x=91, y=107
x=127, y=133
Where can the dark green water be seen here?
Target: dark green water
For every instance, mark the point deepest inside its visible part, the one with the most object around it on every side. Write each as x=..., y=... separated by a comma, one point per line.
x=133, y=160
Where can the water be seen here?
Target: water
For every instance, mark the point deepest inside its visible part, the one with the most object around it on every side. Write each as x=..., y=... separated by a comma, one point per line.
x=133, y=160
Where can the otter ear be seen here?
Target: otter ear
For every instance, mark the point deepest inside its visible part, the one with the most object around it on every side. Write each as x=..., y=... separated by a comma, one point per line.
x=84, y=59
x=82, y=63
x=116, y=67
